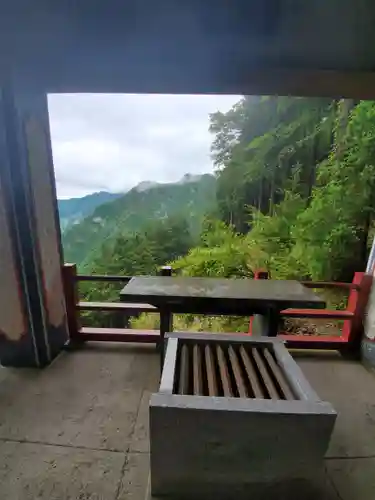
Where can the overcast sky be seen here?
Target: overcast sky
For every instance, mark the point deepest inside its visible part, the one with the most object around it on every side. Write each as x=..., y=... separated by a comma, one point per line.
x=113, y=142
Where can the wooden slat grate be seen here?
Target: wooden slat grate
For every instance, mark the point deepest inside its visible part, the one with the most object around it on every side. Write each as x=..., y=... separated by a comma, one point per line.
x=183, y=385
x=197, y=371
x=210, y=371
x=230, y=370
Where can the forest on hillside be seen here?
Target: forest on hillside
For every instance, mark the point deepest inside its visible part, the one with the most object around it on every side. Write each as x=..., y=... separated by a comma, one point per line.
x=294, y=195
x=94, y=241
x=295, y=188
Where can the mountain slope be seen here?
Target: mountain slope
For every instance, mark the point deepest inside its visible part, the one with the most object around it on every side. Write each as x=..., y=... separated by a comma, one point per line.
x=74, y=210
x=190, y=198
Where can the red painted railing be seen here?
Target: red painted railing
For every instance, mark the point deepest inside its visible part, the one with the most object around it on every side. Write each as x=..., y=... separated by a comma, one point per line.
x=349, y=338
x=86, y=333
x=352, y=316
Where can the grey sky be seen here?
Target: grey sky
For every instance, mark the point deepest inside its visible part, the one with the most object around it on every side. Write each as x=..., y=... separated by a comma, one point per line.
x=113, y=142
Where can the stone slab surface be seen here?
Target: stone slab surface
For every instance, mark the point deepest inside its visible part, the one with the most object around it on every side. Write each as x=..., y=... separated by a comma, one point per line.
x=92, y=391
x=351, y=389
x=353, y=478
x=163, y=290
x=141, y=436
x=65, y=432
x=30, y=471
x=80, y=401
x=134, y=483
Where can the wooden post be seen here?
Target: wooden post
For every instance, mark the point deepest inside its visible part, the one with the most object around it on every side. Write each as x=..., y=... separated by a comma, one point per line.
x=71, y=299
x=261, y=274
x=357, y=303
x=33, y=323
x=166, y=271
x=166, y=318
x=120, y=320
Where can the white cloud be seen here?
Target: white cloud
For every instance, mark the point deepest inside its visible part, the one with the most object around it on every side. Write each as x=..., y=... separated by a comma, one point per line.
x=113, y=142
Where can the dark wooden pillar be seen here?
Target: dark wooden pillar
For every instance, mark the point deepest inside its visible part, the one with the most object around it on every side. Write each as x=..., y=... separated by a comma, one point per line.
x=33, y=325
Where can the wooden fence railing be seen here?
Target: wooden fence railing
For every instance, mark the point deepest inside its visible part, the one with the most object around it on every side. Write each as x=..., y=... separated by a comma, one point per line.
x=353, y=316
x=349, y=338
x=84, y=333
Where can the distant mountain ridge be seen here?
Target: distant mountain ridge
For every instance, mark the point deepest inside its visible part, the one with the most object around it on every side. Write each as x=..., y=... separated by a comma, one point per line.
x=191, y=197
x=73, y=210
x=145, y=185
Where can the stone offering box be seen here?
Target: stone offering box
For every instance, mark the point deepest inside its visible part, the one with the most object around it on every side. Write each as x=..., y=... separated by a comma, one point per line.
x=232, y=412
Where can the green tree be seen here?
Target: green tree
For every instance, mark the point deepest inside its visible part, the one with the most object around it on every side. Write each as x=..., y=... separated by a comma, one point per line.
x=257, y=147
x=140, y=253
x=332, y=233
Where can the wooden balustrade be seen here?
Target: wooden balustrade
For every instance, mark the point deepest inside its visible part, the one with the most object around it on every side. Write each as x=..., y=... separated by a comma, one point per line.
x=330, y=285
x=102, y=277
x=74, y=306
x=349, y=339
x=352, y=316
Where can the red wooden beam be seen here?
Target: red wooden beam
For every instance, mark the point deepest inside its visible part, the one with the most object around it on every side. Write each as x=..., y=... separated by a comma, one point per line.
x=116, y=306
x=330, y=284
x=119, y=335
x=329, y=342
x=317, y=314
x=353, y=315
x=103, y=277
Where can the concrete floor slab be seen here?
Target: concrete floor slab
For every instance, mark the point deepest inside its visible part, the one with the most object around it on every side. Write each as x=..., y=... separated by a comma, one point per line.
x=140, y=441
x=95, y=400
x=351, y=389
x=145, y=370
x=30, y=472
x=82, y=422
x=354, y=479
x=134, y=483
x=66, y=406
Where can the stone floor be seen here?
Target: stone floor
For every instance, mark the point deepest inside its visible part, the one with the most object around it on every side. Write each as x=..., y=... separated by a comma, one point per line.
x=78, y=430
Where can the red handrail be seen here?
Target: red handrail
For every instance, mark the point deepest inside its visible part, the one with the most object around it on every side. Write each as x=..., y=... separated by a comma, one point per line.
x=359, y=291
x=103, y=277
x=352, y=328
x=330, y=284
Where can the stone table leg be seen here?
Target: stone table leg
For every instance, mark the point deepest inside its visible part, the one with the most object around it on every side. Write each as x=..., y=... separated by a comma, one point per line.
x=266, y=324
x=166, y=325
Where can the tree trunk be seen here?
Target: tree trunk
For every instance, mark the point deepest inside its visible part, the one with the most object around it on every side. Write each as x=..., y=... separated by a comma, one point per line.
x=343, y=112
x=312, y=173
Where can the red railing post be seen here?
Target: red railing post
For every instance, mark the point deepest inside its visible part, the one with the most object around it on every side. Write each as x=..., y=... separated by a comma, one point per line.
x=261, y=274
x=71, y=299
x=352, y=331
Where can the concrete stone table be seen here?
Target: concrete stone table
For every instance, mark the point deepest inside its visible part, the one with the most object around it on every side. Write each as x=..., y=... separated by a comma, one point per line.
x=234, y=415
x=216, y=296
